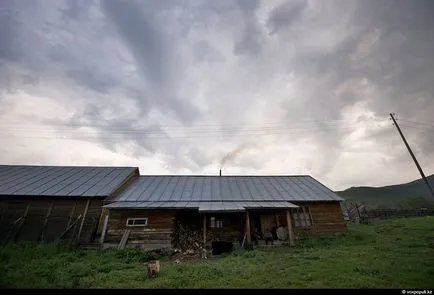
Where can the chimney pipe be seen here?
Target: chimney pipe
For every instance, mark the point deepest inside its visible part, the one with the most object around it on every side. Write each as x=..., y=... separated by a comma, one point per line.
x=220, y=172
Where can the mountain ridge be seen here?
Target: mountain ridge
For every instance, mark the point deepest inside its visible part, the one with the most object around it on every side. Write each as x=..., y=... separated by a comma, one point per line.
x=413, y=194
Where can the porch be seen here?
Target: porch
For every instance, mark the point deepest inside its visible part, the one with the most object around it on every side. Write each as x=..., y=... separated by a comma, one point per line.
x=208, y=230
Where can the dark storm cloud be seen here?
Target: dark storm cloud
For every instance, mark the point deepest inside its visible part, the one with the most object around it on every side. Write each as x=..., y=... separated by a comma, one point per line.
x=403, y=62
x=250, y=41
x=8, y=34
x=285, y=14
x=399, y=64
x=74, y=9
x=164, y=56
x=154, y=54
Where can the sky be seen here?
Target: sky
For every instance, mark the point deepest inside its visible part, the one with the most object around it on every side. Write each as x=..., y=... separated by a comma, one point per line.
x=250, y=87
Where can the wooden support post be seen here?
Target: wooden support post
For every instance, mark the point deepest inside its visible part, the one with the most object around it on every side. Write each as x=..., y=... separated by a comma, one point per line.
x=104, y=229
x=310, y=215
x=290, y=231
x=306, y=216
x=204, y=230
x=103, y=214
x=83, y=220
x=358, y=211
x=249, y=238
x=70, y=226
x=50, y=208
x=72, y=214
x=23, y=219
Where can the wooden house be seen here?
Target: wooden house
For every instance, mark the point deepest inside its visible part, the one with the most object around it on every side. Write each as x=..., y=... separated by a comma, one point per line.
x=47, y=203
x=205, y=211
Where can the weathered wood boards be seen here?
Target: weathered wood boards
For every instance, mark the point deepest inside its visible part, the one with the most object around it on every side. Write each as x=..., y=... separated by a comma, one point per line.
x=170, y=228
x=156, y=233
x=46, y=219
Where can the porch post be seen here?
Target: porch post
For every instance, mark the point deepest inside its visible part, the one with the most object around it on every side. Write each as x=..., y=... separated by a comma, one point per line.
x=290, y=231
x=204, y=230
x=249, y=240
x=82, y=221
x=104, y=229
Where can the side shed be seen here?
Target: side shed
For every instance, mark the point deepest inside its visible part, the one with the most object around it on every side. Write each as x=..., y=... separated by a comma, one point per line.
x=47, y=203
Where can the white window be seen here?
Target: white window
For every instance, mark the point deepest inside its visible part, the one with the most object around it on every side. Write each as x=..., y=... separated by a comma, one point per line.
x=216, y=223
x=302, y=217
x=137, y=221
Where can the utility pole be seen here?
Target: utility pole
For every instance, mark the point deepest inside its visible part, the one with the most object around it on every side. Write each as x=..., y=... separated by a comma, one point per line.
x=412, y=155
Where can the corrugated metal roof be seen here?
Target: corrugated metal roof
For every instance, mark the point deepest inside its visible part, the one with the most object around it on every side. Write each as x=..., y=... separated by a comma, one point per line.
x=207, y=206
x=226, y=188
x=83, y=181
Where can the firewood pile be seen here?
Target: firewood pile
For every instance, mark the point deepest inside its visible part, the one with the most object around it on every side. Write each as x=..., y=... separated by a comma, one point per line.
x=189, y=241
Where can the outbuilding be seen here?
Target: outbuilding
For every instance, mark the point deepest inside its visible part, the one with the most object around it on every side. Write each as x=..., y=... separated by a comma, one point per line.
x=48, y=203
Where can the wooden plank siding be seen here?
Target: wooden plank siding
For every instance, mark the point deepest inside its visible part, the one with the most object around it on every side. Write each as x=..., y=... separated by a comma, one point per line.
x=55, y=223
x=104, y=212
x=158, y=230
x=326, y=217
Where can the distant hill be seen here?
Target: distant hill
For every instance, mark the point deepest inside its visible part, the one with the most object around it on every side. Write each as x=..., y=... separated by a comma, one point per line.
x=414, y=194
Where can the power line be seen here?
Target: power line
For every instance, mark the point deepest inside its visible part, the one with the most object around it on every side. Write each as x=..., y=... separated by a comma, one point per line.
x=172, y=134
x=424, y=128
x=418, y=123
x=197, y=127
x=194, y=129
x=187, y=130
x=169, y=137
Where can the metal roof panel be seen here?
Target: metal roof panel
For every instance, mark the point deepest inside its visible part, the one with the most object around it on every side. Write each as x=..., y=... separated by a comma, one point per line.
x=87, y=181
x=226, y=188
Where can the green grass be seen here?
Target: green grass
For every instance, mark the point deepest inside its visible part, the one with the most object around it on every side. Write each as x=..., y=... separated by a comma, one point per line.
x=397, y=253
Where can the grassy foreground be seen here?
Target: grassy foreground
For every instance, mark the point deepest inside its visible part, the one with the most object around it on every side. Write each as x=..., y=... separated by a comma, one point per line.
x=396, y=253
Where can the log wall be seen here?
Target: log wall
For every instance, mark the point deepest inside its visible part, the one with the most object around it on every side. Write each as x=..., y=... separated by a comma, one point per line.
x=327, y=218
x=156, y=234
x=47, y=218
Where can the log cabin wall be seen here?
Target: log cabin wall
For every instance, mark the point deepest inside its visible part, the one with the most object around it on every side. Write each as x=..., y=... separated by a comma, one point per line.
x=326, y=218
x=104, y=212
x=161, y=224
x=45, y=219
x=155, y=234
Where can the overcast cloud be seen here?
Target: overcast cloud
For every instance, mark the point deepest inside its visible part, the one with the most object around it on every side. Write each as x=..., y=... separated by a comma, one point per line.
x=185, y=87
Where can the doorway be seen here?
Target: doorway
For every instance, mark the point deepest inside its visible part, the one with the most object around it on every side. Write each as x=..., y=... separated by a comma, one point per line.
x=256, y=228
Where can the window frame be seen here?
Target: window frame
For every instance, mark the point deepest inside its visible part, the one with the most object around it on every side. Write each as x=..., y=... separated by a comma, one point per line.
x=135, y=219
x=302, y=217
x=215, y=222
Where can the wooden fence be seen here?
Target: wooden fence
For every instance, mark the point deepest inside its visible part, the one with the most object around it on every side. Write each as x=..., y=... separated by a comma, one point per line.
x=357, y=213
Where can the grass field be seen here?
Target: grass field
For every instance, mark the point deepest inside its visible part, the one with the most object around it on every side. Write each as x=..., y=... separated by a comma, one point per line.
x=396, y=253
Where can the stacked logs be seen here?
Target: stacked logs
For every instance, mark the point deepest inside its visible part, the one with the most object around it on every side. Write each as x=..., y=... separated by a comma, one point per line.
x=189, y=241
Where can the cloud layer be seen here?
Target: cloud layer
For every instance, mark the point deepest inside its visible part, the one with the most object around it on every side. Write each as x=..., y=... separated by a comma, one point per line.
x=267, y=87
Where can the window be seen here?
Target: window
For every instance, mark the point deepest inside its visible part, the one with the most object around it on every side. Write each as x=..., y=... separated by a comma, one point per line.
x=137, y=221
x=216, y=223
x=302, y=217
